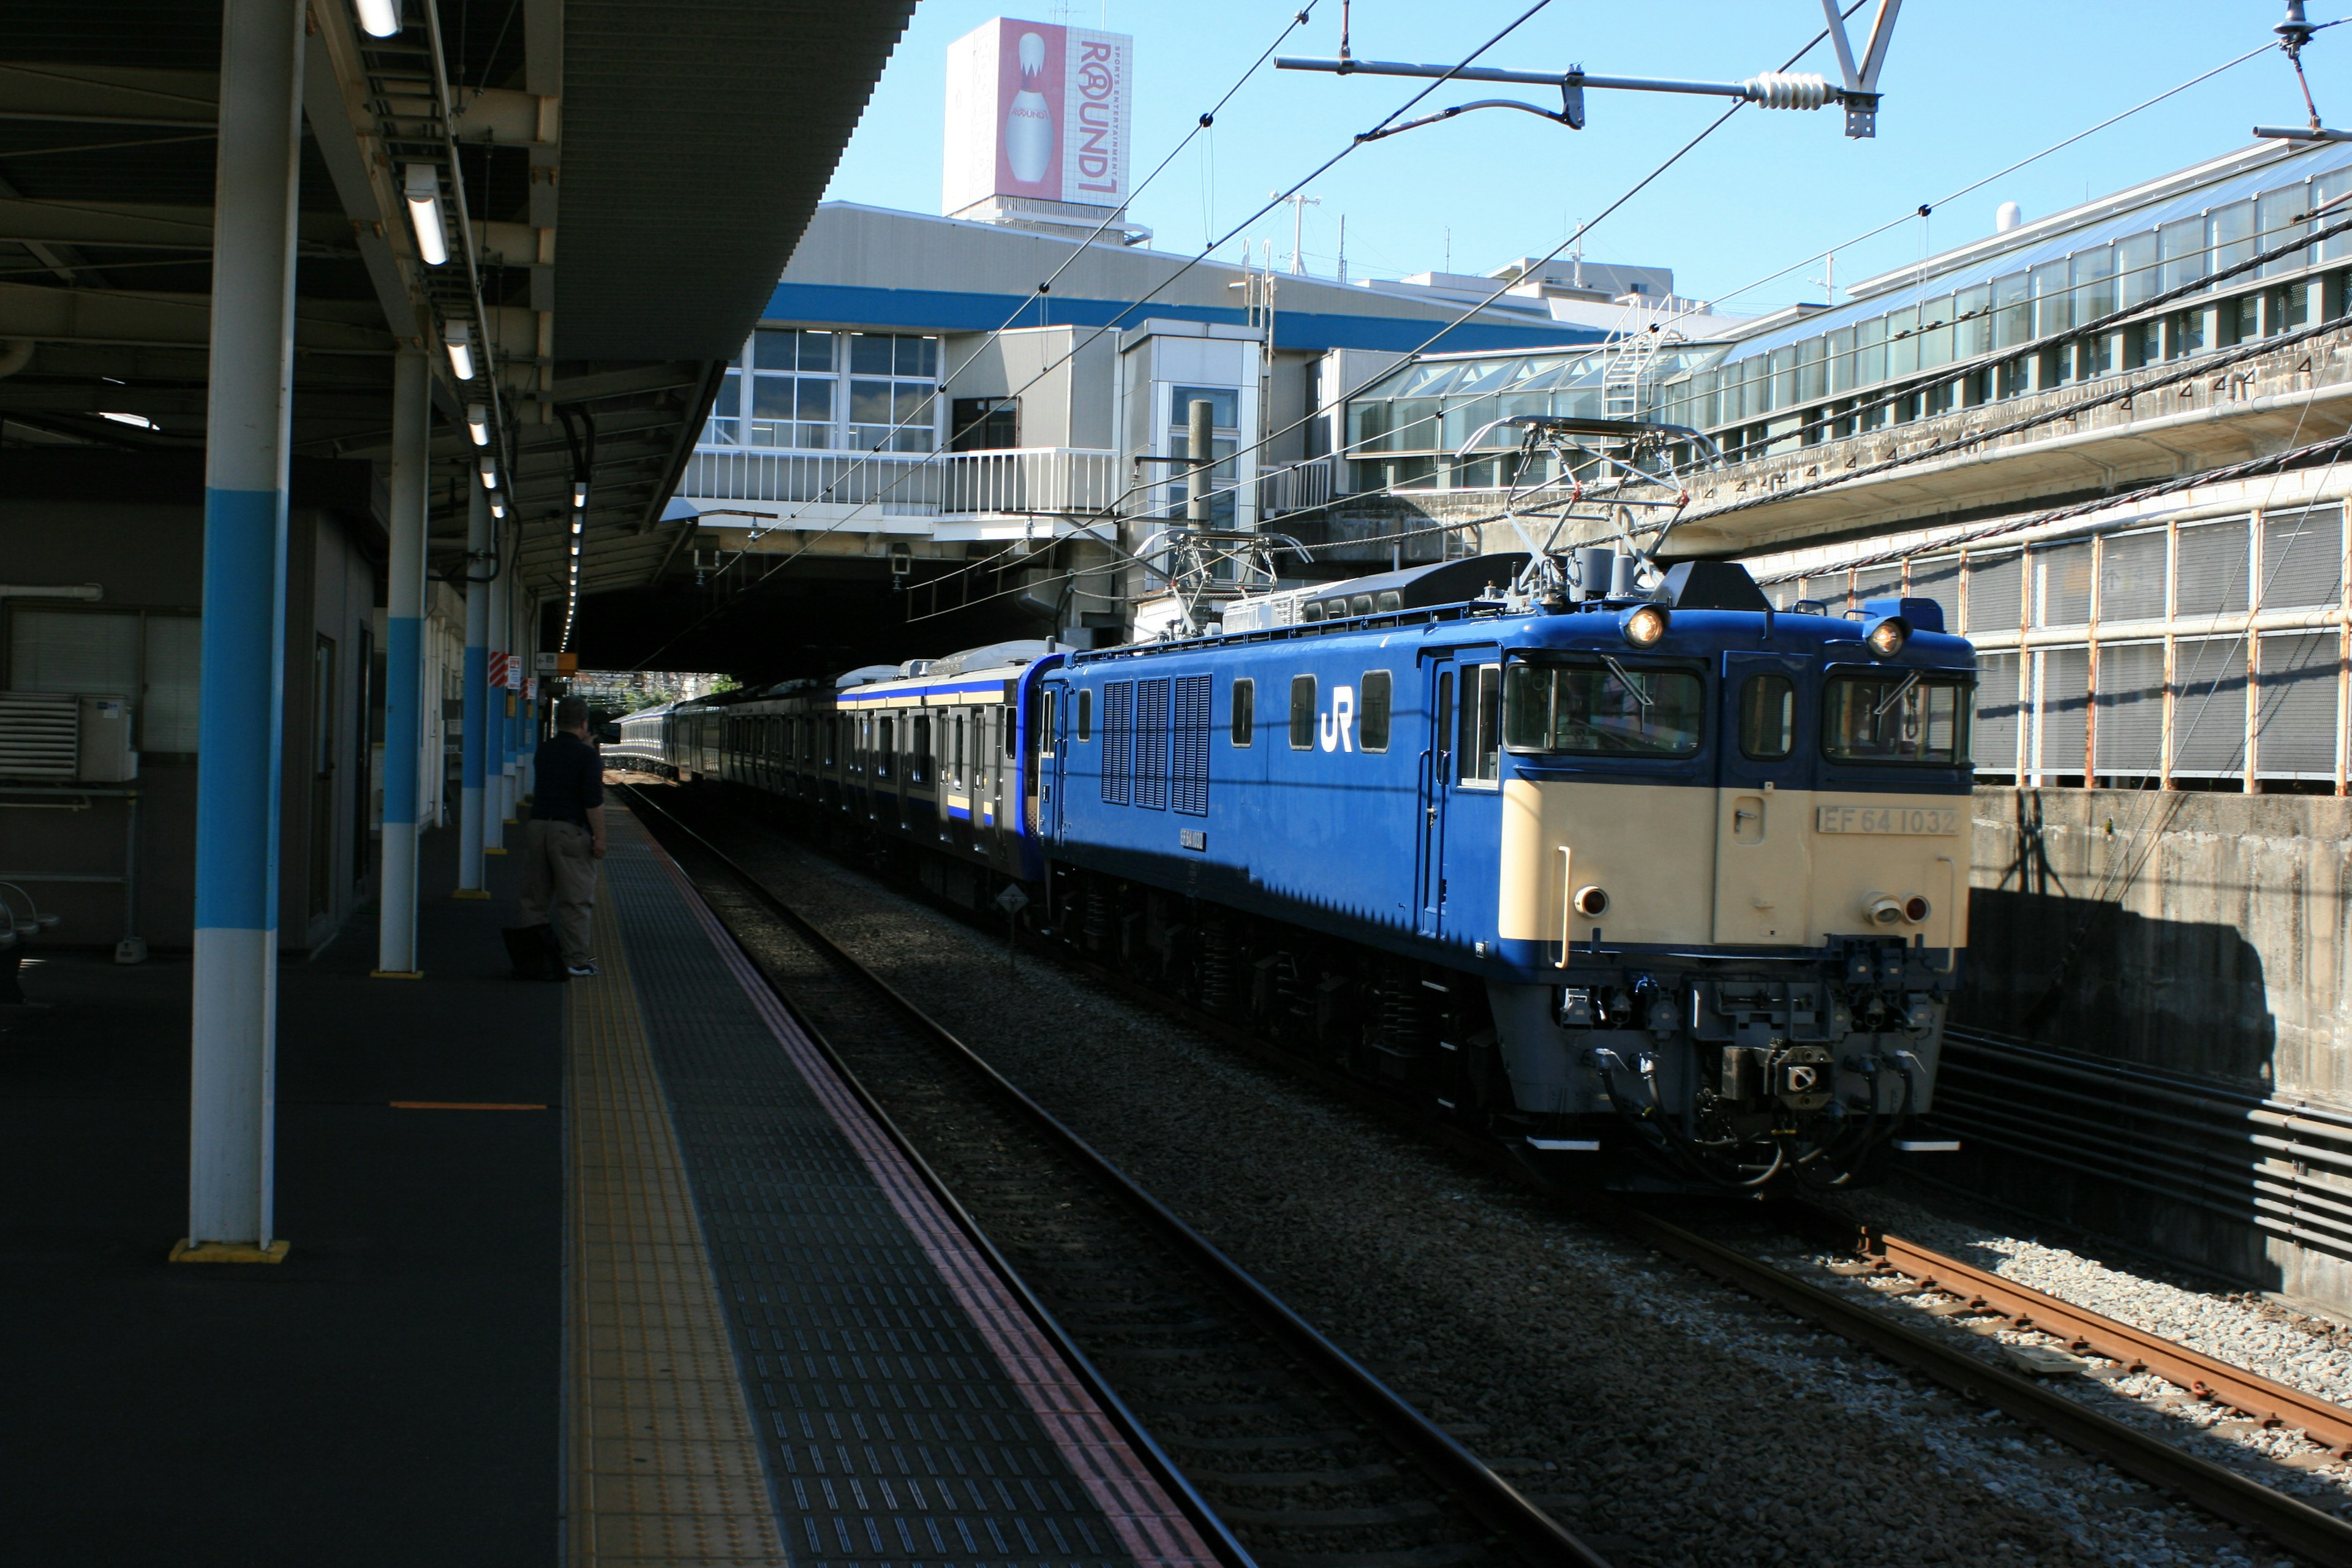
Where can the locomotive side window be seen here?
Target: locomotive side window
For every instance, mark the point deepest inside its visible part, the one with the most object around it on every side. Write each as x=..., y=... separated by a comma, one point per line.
x=1302, y=712
x=1478, y=750
x=1440, y=723
x=1602, y=710
x=1372, y=710
x=1245, y=720
x=1049, y=708
x=1086, y=713
x=1768, y=718
x=1888, y=716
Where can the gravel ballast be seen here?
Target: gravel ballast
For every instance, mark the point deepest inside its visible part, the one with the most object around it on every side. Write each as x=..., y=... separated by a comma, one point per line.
x=1672, y=1422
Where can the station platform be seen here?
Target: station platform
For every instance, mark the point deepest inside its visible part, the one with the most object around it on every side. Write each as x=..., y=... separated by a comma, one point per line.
x=616, y=1273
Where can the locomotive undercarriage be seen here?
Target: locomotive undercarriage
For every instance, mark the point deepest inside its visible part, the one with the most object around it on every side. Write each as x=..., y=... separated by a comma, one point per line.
x=1706, y=1077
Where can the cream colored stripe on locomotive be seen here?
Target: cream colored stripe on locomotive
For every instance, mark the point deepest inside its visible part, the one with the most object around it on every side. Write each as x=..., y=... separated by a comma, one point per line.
x=1743, y=868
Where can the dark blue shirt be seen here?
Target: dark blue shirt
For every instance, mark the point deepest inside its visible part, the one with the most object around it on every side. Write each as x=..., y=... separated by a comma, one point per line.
x=568, y=777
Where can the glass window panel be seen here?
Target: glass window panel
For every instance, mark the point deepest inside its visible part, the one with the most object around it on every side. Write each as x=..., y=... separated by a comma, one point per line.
x=70, y=650
x=1783, y=388
x=1903, y=342
x=1935, y=334
x=1997, y=712
x=2061, y=585
x=1602, y=710
x=1939, y=579
x=2131, y=577
x=771, y=348
x=1890, y=717
x=1244, y=728
x=2181, y=247
x=1416, y=428
x=2303, y=560
x=2328, y=187
x=907, y=356
x=869, y=354
x=1841, y=360
x=2212, y=569
x=1226, y=402
x=1877, y=583
x=731, y=396
x=869, y=403
x=1870, y=352
x=813, y=399
x=1372, y=703
x=1768, y=717
x=817, y=350
x=2135, y=268
x=2278, y=218
x=2130, y=704
x=167, y=716
x=2231, y=232
x=2094, y=274
x=910, y=402
x=2053, y=299
x=2063, y=714
x=1302, y=712
x=2209, y=703
x=1993, y=592
x=772, y=397
x=2294, y=721
x=1367, y=427
x=1972, y=322
x=2012, y=303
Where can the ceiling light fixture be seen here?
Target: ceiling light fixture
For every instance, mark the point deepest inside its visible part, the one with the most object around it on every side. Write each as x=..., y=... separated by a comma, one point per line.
x=489, y=472
x=421, y=188
x=579, y=494
x=478, y=423
x=497, y=507
x=458, y=337
x=379, y=18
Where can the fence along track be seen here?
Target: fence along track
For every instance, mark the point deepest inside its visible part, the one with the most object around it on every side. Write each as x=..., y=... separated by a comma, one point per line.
x=1187, y=1328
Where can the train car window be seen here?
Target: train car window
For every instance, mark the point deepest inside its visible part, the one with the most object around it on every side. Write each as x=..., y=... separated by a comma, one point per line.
x=963, y=734
x=920, y=768
x=1302, y=712
x=1477, y=753
x=1245, y=721
x=1372, y=710
x=1440, y=723
x=1602, y=710
x=1894, y=716
x=884, y=746
x=1004, y=723
x=1086, y=713
x=1768, y=718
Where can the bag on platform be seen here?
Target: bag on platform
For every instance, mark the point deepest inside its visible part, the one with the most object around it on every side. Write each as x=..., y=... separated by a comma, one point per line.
x=533, y=951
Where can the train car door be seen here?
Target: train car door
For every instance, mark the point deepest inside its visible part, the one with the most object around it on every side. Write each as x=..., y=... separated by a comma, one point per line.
x=1050, y=750
x=1437, y=677
x=1763, y=855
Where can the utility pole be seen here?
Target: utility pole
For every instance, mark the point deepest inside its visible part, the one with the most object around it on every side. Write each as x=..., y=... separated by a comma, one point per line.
x=1343, y=247
x=1299, y=203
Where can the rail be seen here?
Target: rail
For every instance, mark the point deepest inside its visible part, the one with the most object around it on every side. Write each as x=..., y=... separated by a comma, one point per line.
x=1493, y=1500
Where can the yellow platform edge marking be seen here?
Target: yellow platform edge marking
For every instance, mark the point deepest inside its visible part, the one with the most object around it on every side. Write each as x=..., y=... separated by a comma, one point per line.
x=395, y=974
x=665, y=1467
x=229, y=1252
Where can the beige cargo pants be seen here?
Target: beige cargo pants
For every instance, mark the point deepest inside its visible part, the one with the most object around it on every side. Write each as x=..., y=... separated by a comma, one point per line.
x=559, y=883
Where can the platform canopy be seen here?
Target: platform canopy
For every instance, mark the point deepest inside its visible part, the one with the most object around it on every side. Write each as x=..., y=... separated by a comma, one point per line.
x=613, y=233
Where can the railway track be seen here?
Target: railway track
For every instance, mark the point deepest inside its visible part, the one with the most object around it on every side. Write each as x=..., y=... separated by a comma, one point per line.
x=2288, y=1521
x=1289, y=1453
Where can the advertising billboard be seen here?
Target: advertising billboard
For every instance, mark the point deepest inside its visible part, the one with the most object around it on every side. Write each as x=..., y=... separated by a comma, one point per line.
x=1038, y=112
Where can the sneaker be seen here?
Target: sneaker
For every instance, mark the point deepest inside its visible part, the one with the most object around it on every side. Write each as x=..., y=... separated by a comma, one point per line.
x=583, y=971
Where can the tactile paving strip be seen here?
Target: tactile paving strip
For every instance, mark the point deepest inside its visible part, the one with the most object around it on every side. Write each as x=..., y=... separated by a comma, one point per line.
x=666, y=1464
x=910, y=1414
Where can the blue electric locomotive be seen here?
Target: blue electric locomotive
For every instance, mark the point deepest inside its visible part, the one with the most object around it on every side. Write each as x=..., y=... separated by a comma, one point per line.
x=1664, y=886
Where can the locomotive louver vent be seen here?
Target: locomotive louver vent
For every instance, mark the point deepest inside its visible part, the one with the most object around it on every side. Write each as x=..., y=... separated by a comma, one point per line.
x=40, y=735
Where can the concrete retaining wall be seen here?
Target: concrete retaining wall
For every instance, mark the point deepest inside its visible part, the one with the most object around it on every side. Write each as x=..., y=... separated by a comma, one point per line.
x=2208, y=935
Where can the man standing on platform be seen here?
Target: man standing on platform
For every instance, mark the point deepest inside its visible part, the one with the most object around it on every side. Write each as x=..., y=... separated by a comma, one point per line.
x=565, y=837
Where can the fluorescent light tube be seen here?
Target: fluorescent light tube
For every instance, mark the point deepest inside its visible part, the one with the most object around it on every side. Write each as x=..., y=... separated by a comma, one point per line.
x=421, y=188
x=458, y=339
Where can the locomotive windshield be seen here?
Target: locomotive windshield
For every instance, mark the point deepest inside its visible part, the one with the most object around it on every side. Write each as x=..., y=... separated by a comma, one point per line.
x=1602, y=710
x=1896, y=716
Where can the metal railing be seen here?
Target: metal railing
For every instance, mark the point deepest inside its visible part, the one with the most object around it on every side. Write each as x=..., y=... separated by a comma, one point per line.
x=1295, y=488
x=1019, y=482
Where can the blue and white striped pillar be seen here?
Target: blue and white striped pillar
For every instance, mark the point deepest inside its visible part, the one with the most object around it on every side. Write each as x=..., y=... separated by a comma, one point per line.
x=476, y=741
x=404, y=667
x=232, y=1109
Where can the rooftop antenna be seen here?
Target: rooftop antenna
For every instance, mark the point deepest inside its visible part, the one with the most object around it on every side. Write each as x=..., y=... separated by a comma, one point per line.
x=1343, y=247
x=1857, y=90
x=1299, y=201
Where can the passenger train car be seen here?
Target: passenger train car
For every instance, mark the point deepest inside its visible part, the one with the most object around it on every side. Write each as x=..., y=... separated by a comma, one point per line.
x=1665, y=888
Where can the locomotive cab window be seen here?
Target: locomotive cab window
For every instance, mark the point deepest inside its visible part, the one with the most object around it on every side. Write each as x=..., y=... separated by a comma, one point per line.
x=1768, y=718
x=1372, y=701
x=1477, y=751
x=1302, y=712
x=1602, y=710
x=1244, y=719
x=1906, y=718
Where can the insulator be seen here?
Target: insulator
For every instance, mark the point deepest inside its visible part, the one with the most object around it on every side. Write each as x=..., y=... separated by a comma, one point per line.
x=1788, y=90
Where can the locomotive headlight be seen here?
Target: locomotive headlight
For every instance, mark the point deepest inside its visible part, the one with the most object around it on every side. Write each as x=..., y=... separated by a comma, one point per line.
x=1644, y=627
x=1881, y=910
x=1887, y=637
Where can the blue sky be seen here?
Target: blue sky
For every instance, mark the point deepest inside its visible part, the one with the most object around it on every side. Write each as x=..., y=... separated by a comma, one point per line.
x=1970, y=86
